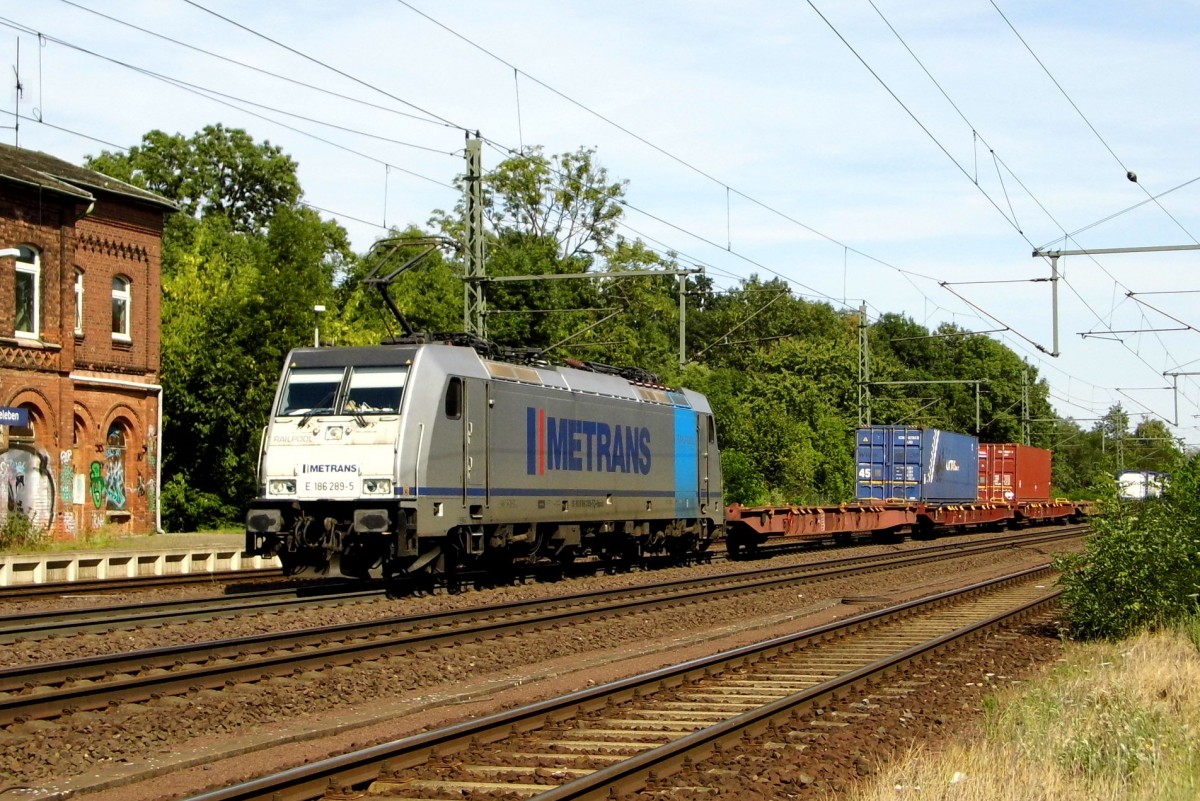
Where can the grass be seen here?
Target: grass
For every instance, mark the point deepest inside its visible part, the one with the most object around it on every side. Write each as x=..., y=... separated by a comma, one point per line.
x=17, y=536
x=1116, y=721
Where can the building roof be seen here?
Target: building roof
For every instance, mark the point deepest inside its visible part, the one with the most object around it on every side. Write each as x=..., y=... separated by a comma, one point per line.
x=48, y=172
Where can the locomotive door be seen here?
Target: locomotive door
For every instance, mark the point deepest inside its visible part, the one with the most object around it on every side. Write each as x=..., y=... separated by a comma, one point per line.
x=476, y=413
x=704, y=439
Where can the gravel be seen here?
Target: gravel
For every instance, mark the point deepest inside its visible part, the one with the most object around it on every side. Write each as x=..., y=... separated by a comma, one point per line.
x=322, y=712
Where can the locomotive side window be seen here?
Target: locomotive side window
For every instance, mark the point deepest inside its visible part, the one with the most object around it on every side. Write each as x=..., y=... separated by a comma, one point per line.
x=454, y=397
x=310, y=390
x=375, y=390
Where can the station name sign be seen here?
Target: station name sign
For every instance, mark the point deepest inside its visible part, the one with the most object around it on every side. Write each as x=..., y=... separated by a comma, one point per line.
x=13, y=416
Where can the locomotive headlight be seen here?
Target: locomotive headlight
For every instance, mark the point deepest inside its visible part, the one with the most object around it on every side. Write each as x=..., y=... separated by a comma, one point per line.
x=377, y=486
x=281, y=486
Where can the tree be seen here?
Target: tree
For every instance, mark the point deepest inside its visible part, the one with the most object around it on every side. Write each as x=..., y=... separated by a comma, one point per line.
x=218, y=171
x=558, y=216
x=241, y=274
x=1152, y=447
x=429, y=294
x=566, y=199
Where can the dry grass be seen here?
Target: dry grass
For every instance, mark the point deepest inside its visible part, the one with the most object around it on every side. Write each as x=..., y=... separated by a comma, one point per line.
x=1115, y=721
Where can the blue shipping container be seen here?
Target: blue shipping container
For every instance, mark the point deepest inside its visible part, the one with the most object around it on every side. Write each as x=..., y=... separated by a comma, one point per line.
x=916, y=464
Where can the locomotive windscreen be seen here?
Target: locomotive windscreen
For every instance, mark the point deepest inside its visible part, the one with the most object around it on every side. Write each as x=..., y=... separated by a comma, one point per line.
x=310, y=391
x=375, y=390
x=319, y=390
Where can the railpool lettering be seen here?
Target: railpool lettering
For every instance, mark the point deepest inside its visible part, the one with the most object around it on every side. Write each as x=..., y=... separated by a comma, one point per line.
x=565, y=443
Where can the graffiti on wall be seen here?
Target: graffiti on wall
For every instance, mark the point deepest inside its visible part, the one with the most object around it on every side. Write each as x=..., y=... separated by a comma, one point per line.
x=96, y=483
x=152, y=483
x=114, y=469
x=32, y=484
x=66, y=477
x=27, y=485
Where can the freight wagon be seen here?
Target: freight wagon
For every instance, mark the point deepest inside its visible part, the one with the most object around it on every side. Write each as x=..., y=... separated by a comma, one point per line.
x=920, y=482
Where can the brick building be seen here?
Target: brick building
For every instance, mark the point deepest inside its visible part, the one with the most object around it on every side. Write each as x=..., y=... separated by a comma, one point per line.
x=80, y=293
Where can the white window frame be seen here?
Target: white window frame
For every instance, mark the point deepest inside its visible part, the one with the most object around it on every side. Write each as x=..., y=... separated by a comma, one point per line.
x=123, y=295
x=30, y=263
x=78, y=302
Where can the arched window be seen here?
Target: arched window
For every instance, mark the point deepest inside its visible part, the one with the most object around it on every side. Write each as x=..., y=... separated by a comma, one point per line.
x=120, y=308
x=78, y=302
x=28, y=293
x=26, y=481
x=114, y=468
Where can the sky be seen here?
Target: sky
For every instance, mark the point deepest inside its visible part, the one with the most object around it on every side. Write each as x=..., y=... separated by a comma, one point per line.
x=906, y=156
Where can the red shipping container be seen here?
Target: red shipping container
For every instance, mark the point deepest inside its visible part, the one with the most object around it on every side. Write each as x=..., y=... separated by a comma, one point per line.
x=1011, y=473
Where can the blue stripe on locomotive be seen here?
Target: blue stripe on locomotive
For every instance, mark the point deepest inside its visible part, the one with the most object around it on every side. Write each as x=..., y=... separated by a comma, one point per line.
x=687, y=464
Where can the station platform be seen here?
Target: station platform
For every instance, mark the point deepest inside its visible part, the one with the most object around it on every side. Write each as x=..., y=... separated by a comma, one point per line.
x=128, y=557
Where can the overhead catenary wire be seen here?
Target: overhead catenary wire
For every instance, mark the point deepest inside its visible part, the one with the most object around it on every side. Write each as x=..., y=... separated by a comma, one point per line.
x=325, y=65
x=1129, y=173
x=260, y=70
x=974, y=131
x=859, y=252
x=663, y=151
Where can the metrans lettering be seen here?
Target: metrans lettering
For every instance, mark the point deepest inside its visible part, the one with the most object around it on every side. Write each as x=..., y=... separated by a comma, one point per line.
x=329, y=468
x=563, y=443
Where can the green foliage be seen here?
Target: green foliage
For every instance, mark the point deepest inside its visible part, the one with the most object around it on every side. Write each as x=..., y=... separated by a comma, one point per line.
x=566, y=199
x=744, y=483
x=217, y=172
x=191, y=509
x=17, y=531
x=240, y=279
x=245, y=263
x=429, y=294
x=1141, y=566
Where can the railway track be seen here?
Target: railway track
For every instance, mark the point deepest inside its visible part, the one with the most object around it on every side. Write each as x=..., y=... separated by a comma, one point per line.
x=50, y=690
x=26, y=626
x=254, y=579
x=605, y=742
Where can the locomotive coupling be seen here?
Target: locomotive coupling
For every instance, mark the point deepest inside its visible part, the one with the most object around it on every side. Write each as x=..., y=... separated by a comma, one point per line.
x=264, y=521
x=371, y=521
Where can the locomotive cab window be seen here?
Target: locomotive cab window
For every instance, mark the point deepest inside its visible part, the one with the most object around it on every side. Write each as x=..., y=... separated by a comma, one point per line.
x=375, y=390
x=310, y=390
x=454, y=398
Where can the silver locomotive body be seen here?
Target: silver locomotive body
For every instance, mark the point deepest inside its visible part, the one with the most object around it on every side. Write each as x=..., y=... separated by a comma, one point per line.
x=404, y=459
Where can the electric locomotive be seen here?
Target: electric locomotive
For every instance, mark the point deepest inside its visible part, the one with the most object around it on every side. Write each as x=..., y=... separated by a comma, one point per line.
x=433, y=457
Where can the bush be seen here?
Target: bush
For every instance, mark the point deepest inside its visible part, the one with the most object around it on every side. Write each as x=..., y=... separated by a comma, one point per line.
x=1141, y=566
x=743, y=482
x=188, y=509
x=18, y=531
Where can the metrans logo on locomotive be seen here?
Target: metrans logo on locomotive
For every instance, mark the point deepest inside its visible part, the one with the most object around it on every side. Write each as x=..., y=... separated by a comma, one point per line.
x=563, y=443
